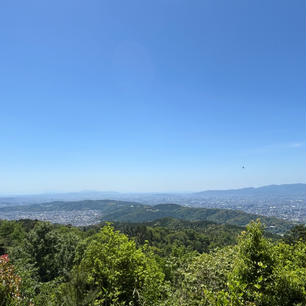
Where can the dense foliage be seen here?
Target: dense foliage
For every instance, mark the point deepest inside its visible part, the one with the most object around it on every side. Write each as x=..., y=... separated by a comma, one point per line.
x=163, y=234
x=166, y=262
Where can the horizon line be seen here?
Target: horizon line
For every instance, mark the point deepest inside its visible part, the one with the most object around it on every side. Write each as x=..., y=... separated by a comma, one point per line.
x=138, y=192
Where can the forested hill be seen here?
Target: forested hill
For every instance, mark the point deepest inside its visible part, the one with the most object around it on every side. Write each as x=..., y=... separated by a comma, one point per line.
x=201, y=236
x=145, y=213
x=109, y=210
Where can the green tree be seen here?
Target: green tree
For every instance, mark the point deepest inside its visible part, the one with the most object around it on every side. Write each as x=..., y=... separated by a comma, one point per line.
x=265, y=274
x=76, y=292
x=204, y=280
x=296, y=234
x=122, y=273
x=48, y=250
x=11, y=234
x=251, y=279
x=290, y=274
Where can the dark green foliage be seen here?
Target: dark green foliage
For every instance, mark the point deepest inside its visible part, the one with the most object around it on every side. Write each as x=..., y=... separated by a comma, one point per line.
x=45, y=255
x=191, y=235
x=164, y=262
x=48, y=250
x=11, y=234
x=77, y=291
x=297, y=233
x=163, y=234
x=41, y=249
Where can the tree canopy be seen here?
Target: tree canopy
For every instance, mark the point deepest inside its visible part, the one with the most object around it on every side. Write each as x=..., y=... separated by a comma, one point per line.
x=165, y=263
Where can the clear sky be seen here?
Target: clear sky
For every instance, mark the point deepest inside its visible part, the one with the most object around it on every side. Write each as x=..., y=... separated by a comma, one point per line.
x=163, y=95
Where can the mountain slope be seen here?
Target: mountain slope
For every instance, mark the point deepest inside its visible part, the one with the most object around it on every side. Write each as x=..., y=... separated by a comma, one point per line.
x=224, y=216
x=109, y=210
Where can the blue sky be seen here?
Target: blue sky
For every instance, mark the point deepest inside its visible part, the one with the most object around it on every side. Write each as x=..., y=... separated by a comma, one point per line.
x=163, y=95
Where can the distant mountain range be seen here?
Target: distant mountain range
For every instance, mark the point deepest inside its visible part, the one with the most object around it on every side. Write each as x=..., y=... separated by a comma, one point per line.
x=110, y=210
x=271, y=191
x=286, y=190
x=286, y=202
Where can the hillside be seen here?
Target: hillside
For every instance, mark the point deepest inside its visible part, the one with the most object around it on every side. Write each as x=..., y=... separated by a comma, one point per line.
x=234, y=217
x=109, y=210
x=287, y=201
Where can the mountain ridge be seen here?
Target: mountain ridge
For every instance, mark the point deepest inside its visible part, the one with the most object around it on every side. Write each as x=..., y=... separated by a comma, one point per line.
x=297, y=188
x=123, y=211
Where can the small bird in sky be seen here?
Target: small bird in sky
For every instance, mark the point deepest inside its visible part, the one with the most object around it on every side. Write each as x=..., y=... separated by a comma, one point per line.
x=243, y=167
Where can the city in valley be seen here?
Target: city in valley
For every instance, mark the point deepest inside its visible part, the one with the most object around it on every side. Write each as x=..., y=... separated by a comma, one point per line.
x=286, y=202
